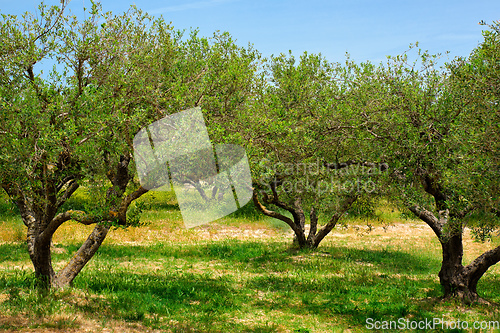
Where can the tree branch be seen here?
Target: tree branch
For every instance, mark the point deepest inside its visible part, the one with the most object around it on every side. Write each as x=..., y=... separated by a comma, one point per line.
x=17, y=197
x=429, y=218
x=345, y=205
x=431, y=185
x=276, y=201
x=73, y=186
x=314, y=225
x=338, y=128
x=481, y=264
x=50, y=193
x=63, y=182
x=31, y=77
x=274, y=214
x=59, y=219
x=122, y=211
x=49, y=27
x=337, y=166
x=82, y=141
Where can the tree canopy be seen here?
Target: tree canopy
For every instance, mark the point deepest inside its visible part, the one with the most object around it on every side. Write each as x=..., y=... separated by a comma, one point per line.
x=436, y=136
x=322, y=137
x=73, y=128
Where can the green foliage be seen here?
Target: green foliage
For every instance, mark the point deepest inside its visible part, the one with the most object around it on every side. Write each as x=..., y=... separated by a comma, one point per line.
x=437, y=129
x=78, y=120
x=483, y=225
x=477, y=81
x=364, y=208
x=115, y=74
x=302, y=120
x=134, y=214
x=436, y=136
x=215, y=74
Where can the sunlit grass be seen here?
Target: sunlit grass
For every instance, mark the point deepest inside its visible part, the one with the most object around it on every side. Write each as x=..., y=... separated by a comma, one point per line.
x=238, y=274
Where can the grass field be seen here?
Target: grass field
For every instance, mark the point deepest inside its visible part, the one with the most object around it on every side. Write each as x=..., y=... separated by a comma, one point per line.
x=238, y=274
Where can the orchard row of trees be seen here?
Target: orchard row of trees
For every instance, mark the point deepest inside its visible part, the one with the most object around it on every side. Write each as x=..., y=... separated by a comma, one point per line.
x=320, y=136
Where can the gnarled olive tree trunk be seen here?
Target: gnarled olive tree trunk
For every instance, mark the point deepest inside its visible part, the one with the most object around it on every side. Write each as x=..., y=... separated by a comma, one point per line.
x=457, y=280
x=297, y=223
x=38, y=212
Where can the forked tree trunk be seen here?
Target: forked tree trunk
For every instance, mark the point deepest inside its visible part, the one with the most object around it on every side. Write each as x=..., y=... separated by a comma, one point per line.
x=42, y=222
x=297, y=223
x=458, y=281
x=41, y=257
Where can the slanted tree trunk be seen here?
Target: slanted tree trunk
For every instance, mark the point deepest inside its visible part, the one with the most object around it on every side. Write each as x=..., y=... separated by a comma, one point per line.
x=297, y=223
x=66, y=275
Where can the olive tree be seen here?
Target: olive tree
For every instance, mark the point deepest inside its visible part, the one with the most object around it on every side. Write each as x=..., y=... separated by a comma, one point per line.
x=73, y=127
x=219, y=76
x=438, y=137
x=304, y=163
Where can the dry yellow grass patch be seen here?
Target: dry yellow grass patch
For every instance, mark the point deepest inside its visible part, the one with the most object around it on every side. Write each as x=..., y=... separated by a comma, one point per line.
x=12, y=232
x=164, y=231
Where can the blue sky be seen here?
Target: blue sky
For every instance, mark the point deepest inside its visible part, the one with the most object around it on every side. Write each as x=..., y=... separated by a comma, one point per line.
x=368, y=30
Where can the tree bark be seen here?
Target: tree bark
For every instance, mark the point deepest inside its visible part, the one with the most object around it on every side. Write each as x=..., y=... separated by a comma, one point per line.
x=323, y=232
x=457, y=281
x=299, y=233
x=297, y=224
x=451, y=266
x=81, y=258
x=40, y=218
x=40, y=255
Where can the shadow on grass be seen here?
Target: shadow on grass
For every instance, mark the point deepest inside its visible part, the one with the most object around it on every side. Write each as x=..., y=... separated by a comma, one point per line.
x=354, y=293
x=352, y=283
x=354, y=297
x=347, y=284
x=181, y=302
x=253, y=255
x=155, y=291
x=392, y=261
x=162, y=206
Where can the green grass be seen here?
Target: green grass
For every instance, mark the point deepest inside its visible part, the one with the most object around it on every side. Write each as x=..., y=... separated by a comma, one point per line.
x=242, y=286
x=239, y=285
